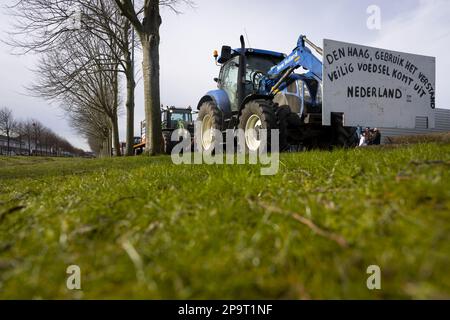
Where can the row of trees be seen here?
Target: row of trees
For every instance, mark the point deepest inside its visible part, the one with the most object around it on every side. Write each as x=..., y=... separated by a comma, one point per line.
x=31, y=137
x=86, y=48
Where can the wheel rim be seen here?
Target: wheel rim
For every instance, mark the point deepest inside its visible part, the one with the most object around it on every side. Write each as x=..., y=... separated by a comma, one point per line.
x=207, y=132
x=252, y=132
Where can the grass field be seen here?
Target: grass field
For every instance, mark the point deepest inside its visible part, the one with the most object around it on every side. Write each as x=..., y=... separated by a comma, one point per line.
x=144, y=228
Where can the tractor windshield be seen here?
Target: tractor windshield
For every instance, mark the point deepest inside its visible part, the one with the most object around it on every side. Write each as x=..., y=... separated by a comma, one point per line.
x=260, y=63
x=257, y=66
x=180, y=119
x=181, y=116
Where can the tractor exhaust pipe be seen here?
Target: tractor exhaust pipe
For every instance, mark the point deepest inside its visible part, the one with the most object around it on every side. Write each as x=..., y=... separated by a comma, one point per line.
x=241, y=74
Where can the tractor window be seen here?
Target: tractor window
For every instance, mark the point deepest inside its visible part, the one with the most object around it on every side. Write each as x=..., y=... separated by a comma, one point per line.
x=260, y=63
x=229, y=74
x=257, y=66
x=228, y=80
x=179, y=119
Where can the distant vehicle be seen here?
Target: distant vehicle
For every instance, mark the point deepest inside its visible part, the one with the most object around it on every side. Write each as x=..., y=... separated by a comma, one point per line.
x=139, y=142
x=172, y=118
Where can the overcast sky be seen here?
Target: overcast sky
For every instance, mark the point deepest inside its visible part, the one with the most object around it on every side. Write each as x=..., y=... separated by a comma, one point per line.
x=188, y=40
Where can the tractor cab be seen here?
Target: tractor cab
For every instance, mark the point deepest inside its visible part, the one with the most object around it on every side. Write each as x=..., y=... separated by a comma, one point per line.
x=137, y=140
x=176, y=118
x=301, y=94
x=258, y=63
x=172, y=118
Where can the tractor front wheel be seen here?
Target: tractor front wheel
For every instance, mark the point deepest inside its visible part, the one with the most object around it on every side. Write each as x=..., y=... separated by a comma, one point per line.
x=211, y=120
x=257, y=115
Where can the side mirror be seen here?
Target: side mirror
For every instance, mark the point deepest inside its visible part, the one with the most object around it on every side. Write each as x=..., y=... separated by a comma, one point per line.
x=225, y=54
x=216, y=80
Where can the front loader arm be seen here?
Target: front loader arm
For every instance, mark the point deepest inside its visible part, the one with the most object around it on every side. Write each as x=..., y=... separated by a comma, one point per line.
x=301, y=56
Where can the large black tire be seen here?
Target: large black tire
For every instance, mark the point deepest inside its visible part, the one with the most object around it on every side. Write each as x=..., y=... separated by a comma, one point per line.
x=348, y=137
x=345, y=137
x=283, y=114
x=265, y=111
x=210, y=110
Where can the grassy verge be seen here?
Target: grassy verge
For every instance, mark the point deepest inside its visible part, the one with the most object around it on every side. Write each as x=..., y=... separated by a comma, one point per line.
x=144, y=228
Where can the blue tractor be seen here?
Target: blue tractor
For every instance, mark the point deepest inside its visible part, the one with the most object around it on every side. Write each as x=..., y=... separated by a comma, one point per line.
x=258, y=89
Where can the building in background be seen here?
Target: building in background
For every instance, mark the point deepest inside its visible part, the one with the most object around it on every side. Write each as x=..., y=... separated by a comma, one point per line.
x=442, y=124
x=16, y=147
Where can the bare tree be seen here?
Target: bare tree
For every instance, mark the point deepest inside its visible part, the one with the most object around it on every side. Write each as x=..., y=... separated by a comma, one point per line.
x=82, y=75
x=103, y=18
x=38, y=127
x=47, y=24
x=27, y=131
x=95, y=127
x=42, y=26
x=7, y=125
x=47, y=137
x=20, y=134
x=148, y=33
x=35, y=132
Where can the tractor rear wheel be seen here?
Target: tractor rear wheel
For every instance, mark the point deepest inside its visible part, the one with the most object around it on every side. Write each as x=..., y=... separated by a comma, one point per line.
x=211, y=119
x=257, y=115
x=283, y=114
x=345, y=137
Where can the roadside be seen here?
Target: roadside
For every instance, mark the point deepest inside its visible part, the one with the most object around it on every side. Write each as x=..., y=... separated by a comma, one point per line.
x=142, y=227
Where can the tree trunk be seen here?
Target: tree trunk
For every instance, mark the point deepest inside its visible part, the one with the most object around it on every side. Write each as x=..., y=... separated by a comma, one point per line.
x=105, y=149
x=150, y=71
x=129, y=73
x=114, y=119
x=109, y=144
x=115, y=136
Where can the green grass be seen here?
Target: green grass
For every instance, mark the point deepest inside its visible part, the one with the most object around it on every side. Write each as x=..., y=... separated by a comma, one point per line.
x=144, y=228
